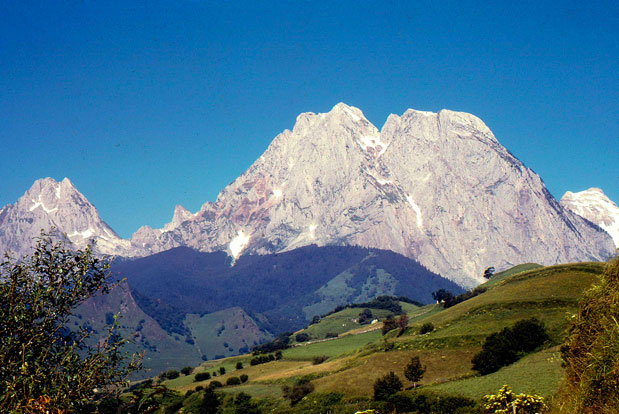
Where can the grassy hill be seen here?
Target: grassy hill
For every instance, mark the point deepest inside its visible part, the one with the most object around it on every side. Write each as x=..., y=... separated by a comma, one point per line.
x=361, y=354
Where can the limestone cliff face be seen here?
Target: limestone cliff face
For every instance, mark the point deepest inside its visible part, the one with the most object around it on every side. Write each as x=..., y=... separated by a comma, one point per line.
x=437, y=187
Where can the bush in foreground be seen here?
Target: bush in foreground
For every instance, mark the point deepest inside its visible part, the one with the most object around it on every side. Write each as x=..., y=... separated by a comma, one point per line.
x=505, y=401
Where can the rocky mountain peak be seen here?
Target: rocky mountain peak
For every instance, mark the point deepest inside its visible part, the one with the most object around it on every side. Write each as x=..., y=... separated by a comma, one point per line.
x=51, y=204
x=181, y=214
x=437, y=187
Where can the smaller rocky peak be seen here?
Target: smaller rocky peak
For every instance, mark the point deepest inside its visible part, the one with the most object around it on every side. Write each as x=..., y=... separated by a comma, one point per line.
x=181, y=214
x=595, y=206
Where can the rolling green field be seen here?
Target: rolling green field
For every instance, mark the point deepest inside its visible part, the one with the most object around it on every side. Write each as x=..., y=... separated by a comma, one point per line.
x=361, y=354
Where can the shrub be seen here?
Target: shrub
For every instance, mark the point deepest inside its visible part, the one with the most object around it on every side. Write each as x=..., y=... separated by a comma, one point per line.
x=331, y=335
x=505, y=401
x=188, y=393
x=243, y=378
x=239, y=365
x=386, y=386
x=302, y=337
x=233, y=381
x=426, y=328
x=201, y=376
x=430, y=402
x=199, y=388
x=215, y=384
x=222, y=370
x=278, y=355
x=300, y=389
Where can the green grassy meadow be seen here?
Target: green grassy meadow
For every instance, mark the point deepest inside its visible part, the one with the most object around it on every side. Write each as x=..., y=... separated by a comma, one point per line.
x=361, y=354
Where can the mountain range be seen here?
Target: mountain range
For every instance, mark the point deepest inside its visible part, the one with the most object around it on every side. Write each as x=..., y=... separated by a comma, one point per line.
x=436, y=187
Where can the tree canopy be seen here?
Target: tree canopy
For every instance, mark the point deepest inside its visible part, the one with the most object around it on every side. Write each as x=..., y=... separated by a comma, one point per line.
x=43, y=364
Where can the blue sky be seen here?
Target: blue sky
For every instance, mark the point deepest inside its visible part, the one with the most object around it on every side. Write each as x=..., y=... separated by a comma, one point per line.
x=145, y=105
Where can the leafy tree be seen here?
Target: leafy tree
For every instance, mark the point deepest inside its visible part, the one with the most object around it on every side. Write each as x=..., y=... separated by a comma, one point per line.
x=389, y=324
x=210, y=402
x=414, y=371
x=171, y=374
x=489, y=272
x=591, y=350
x=386, y=386
x=302, y=337
x=222, y=370
x=43, y=364
x=315, y=320
x=402, y=323
x=365, y=316
x=202, y=376
x=233, y=381
x=442, y=295
x=507, y=346
x=244, y=405
x=243, y=378
x=187, y=370
x=239, y=365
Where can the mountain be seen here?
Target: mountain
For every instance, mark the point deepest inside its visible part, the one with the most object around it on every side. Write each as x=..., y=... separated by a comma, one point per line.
x=50, y=204
x=596, y=207
x=283, y=290
x=437, y=187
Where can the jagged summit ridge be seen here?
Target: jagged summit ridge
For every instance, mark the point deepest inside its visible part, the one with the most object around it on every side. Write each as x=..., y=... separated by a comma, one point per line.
x=437, y=187
x=596, y=207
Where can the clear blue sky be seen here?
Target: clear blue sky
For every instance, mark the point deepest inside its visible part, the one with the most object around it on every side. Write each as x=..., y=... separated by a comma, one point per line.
x=144, y=105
